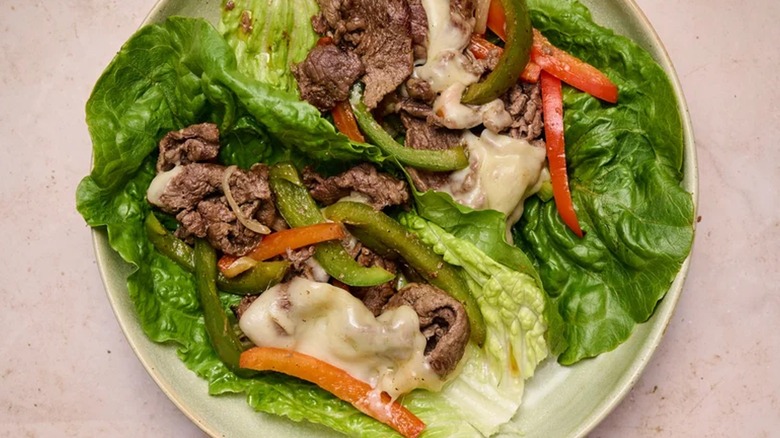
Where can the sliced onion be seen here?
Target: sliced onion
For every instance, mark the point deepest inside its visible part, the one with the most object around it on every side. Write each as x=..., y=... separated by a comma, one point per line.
x=481, y=13
x=241, y=264
x=252, y=224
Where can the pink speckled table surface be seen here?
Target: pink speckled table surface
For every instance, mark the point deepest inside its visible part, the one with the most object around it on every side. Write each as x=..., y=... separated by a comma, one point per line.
x=67, y=370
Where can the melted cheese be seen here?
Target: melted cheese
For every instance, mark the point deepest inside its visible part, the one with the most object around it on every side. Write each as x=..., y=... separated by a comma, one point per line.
x=328, y=323
x=453, y=114
x=159, y=184
x=503, y=172
x=446, y=62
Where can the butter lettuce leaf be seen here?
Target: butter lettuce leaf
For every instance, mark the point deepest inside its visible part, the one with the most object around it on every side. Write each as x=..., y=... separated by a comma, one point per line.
x=489, y=388
x=625, y=170
x=268, y=37
x=486, y=229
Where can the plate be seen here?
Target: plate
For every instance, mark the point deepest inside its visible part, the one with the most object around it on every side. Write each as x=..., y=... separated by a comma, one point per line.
x=586, y=392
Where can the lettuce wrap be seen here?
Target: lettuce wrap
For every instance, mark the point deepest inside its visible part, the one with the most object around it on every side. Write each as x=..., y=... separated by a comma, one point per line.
x=550, y=294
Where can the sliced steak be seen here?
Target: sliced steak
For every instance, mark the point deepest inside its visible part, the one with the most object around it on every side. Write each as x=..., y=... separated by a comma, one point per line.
x=194, y=195
x=385, y=46
x=418, y=19
x=421, y=134
x=524, y=103
x=420, y=90
x=380, y=33
x=303, y=264
x=381, y=189
x=443, y=321
x=190, y=185
x=326, y=75
x=375, y=297
x=191, y=144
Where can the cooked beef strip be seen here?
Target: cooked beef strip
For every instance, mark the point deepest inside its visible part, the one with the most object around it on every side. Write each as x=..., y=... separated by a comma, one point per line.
x=326, y=75
x=193, y=183
x=419, y=28
x=382, y=189
x=380, y=33
x=195, y=196
x=524, y=103
x=385, y=47
x=188, y=145
x=420, y=90
x=443, y=321
x=421, y=134
x=375, y=297
x=302, y=264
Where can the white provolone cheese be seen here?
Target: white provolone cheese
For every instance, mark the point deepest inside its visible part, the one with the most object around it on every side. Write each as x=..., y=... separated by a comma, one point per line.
x=328, y=323
x=446, y=62
x=159, y=183
x=453, y=114
x=503, y=172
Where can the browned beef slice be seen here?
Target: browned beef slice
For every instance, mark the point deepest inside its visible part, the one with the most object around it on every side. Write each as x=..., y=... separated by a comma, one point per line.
x=375, y=297
x=224, y=231
x=420, y=90
x=425, y=180
x=326, y=75
x=419, y=28
x=524, y=103
x=300, y=266
x=195, y=196
x=443, y=321
x=382, y=189
x=385, y=47
x=188, y=145
x=193, y=183
x=420, y=134
x=380, y=32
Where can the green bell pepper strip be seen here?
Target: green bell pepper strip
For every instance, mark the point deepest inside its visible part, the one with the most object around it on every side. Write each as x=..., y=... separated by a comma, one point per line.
x=299, y=209
x=256, y=280
x=431, y=266
x=514, y=58
x=218, y=327
x=438, y=161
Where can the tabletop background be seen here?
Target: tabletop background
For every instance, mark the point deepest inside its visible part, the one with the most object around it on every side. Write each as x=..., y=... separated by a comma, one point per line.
x=67, y=370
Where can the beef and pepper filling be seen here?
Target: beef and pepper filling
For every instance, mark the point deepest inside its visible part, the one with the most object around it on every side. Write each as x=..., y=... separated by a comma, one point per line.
x=234, y=209
x=413, y=60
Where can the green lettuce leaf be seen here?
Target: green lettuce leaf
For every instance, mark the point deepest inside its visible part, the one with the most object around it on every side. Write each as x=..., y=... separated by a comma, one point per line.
x=486, y=229
x=268, y=37
x=625, y=169
x=489, y=388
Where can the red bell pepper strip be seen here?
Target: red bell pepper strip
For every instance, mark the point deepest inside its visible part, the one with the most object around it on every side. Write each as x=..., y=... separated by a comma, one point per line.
x=566, y=67
x=496, y=19
x=344, y=119
x=574, y=71
x=482, y=49
x=279, y=242
x=552, y=110
x=336, y=381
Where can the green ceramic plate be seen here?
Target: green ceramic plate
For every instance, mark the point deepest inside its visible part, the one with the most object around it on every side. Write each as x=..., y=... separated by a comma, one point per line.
x=559, y=401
